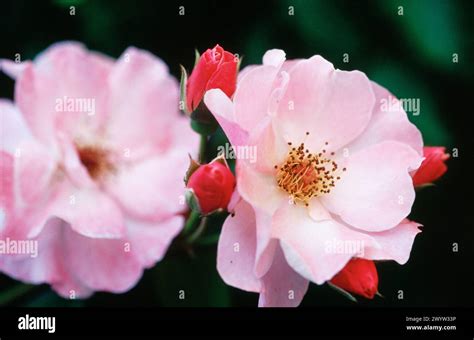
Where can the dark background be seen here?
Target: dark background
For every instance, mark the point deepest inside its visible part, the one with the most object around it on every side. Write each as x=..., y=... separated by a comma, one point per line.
x=410, y=54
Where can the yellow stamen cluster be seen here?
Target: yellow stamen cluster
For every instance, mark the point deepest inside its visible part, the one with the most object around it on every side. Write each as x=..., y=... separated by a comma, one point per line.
x=305, y=175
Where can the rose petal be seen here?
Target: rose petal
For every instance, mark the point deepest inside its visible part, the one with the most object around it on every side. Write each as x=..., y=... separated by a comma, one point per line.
x=334, y=106
x=65, y=90
x=146, y=190
x=312, y=248
x=282, y=286
x=376, y=192
x=393, y=244
x=389, y=122
x=143, y=104
x=90, y=213
x=150, y=241
x=260, y=190
x=236, y=249
x=223, y=110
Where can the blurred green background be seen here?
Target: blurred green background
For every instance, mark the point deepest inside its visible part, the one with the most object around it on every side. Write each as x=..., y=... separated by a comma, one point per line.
x=406, y=46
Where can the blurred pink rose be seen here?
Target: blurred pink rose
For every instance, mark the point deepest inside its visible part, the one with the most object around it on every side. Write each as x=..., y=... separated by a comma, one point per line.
x=331, y=181
x=93, y=154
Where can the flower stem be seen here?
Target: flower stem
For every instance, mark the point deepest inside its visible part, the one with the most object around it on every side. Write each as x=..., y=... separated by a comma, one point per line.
x=198, y=232
x=208, y=240
x=190, y=223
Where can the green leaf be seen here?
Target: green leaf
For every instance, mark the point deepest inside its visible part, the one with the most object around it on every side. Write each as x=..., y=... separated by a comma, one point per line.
x=192, y=201
x=193, y=166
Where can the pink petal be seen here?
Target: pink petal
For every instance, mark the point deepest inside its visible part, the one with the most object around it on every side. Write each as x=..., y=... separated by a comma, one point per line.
x=152, y=189
x=90, y=212
x=35, y=167
x=49, y=266
x=252, y=95
x=274, y=57
x=334, y=106
x=236, y=249
x=49, y=90
x=223, y=110
x=318, y=211
x=6, y=190
x=73, y=166
x=13, y=128
x=310, y=247
x=282, y=286
x=12, y=68
x=234, y=200
x=269, y=147
x=150, y=241
x=393, y=244
x=389, y=122
x=102, y=264
x=260, y=190
x=265, y=250
x=376, y=192
x=244, y=71
x=143, y=102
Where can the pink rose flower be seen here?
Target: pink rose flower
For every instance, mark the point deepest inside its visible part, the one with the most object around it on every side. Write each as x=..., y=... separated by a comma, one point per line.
x=93, y=153
x=331, y=181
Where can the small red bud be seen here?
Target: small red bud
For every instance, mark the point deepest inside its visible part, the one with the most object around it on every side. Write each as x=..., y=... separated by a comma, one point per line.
x=433, y=166
x=359, y=276
x=213, y=185
x=216, y=69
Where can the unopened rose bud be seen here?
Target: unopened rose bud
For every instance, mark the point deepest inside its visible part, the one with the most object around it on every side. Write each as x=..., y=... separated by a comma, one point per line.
x=212, y=184
x=216, y=69
x=359, y=276
x=433, y=166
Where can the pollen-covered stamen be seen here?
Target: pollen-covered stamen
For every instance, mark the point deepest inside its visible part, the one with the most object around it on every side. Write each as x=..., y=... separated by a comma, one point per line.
x=95, y=159
x=305, y=175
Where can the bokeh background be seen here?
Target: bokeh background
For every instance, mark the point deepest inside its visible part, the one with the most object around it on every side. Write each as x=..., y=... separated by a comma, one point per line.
x=410, y=54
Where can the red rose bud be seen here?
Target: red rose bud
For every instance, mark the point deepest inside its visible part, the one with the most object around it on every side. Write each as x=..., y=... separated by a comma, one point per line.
x=433, y=166
x=359, y=277
x=216, y=69
x=213, y=185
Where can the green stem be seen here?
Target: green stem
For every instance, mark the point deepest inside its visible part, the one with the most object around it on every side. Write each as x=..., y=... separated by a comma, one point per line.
x=208, y=240
x=190, y=223
x=14, y=293
x=202, y=149
x=198, y=232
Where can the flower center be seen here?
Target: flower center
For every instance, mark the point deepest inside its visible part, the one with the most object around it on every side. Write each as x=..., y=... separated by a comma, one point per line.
x=305, y=175
x=95, y=159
